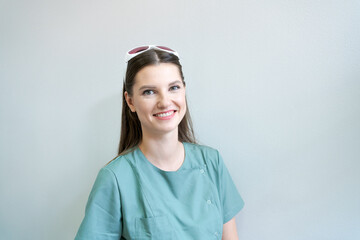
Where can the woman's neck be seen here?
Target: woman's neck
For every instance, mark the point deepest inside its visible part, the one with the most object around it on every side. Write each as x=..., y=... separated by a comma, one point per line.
x=165, y=151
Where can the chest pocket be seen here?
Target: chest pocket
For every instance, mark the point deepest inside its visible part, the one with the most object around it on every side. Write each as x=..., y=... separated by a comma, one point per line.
x=153, y=228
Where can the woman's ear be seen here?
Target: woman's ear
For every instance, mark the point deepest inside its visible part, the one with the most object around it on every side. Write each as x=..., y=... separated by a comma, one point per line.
x=129, y=101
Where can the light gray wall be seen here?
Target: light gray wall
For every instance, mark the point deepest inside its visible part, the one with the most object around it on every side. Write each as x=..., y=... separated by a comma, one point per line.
x=274, y=85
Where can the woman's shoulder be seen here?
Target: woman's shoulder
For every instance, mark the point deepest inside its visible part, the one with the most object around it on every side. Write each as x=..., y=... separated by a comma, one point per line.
x=121, y=163
x=208, y=154
x=204, y=149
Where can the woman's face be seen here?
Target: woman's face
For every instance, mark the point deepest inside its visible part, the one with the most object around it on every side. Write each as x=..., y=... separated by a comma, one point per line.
x=158, y=98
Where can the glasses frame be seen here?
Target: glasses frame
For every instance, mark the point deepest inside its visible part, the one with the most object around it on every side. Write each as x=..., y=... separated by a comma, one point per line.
x=130, y=56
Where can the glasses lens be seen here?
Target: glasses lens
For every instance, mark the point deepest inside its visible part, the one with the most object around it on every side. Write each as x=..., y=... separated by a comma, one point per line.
x=166, y=48
x=138, y=49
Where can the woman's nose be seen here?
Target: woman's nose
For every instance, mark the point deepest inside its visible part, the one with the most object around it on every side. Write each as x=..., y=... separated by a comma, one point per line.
x=164, y=100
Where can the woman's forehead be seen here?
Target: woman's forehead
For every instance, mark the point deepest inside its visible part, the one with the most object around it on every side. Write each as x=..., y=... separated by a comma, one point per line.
x=158, y=74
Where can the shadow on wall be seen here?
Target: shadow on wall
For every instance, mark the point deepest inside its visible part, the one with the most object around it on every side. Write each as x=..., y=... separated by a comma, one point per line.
x=99, y=142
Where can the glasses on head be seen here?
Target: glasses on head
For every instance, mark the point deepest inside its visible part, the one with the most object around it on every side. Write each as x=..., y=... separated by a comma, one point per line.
x=138, y=50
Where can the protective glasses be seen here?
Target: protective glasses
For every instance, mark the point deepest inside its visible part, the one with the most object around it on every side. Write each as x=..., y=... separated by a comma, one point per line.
x=138, y=50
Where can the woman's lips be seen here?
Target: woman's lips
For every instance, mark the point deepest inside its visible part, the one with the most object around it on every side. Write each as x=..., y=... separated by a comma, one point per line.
x=165, y=115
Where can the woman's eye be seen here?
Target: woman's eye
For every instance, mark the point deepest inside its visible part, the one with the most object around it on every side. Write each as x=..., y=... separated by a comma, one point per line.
x=148, y=92
x=176, y=87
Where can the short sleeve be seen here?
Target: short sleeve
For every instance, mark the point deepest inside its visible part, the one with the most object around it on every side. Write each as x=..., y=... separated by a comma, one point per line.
x=230, y=198
x=103, y=212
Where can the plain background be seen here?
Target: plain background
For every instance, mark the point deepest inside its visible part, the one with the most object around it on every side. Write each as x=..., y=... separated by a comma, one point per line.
x=274, y=85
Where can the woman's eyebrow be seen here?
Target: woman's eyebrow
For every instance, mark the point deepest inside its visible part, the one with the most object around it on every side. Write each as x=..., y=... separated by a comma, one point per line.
x=147, y=87
x=177, y=81
x=153, y=87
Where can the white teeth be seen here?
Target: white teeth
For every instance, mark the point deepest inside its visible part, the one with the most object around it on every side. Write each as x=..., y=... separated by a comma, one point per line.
x=164, y=114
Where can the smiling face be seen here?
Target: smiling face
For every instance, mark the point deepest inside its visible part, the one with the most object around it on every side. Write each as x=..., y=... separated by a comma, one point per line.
x=158, y=98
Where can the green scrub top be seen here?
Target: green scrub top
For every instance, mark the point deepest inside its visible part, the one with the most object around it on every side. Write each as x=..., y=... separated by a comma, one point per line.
x=133, y=199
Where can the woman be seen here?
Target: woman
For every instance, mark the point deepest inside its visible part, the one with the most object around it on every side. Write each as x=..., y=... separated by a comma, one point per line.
x=162, y=185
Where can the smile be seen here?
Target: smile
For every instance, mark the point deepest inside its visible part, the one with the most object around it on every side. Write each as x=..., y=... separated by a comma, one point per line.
x=165, y=114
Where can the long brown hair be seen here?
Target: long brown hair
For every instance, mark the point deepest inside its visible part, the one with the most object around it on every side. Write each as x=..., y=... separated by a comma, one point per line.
x=131, y=134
